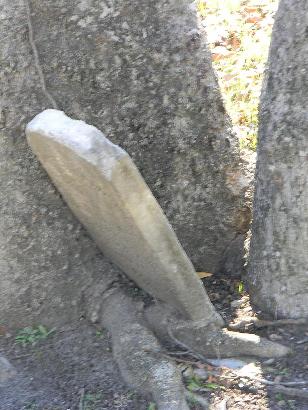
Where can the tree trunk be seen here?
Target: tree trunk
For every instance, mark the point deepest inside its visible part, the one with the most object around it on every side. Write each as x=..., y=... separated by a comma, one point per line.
x=278, y=274
x=145, y=79
x=142, y=74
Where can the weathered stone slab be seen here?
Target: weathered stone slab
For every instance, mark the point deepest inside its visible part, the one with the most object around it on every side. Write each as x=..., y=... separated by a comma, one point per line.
x=106, y=192
x=145, y=79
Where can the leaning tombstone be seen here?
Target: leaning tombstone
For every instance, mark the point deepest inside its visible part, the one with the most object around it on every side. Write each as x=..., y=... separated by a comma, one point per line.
x=104, y=189
x=106, y=192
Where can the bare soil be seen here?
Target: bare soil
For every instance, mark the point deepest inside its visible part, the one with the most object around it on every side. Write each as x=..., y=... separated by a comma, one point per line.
x=74, y=368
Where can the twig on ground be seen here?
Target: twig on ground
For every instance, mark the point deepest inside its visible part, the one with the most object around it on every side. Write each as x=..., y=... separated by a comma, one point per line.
x=281, y=383
x=179, y=353
x=265, y=323
x=300, y=342
x=235, y=376
x=301, y=383
x=186, y=348
x=264, y=381
x=174, y=359
x=281, y=387
x=288, y=391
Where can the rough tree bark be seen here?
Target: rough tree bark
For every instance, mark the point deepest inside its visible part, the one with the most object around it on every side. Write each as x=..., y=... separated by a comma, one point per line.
x=278, y=273
x=143, y=75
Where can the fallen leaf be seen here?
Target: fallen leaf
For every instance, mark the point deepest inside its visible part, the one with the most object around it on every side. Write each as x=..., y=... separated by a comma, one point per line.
x=204, y=274
x=220, y=52
x=234, y=41
x=229, y=77
x=253, y=18
x=211, y=379
x=251, y=9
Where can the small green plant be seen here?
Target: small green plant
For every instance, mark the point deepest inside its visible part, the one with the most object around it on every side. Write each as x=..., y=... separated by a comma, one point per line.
x=240, y=287
x=194, y=383
x=192, y=398
x=212, y=386
x=99, y=333
x=279, y=372
x=291, y=404
x=90, y=400
x=283, y=372
x=151, y=406
x=279, y=397
x=130, y=394
x=30, y=406
x=32, y=335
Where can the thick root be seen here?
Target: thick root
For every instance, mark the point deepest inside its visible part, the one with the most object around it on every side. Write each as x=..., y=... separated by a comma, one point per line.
x=245, y=344
x=211, y=341
x=138, y=352
x=135, y=350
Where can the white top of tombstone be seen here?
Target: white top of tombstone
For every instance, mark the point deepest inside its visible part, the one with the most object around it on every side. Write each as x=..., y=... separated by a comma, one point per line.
x=88, y=141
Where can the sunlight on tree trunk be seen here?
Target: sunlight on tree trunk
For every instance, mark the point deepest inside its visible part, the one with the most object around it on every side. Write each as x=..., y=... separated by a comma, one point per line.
x=278, y=275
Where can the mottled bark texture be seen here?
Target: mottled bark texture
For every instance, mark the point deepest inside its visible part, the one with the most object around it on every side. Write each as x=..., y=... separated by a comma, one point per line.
x=278, y=273
x=142, y=74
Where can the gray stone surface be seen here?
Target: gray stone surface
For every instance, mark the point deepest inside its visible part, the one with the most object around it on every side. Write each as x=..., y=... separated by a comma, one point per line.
x=278, y=273
x=106, y=192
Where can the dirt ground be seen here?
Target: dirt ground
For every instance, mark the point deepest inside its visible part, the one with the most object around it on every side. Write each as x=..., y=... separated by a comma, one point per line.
x=245, y=394
x=73, y=368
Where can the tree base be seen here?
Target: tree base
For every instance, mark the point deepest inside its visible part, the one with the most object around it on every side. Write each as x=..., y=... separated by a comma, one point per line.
x=136, y=333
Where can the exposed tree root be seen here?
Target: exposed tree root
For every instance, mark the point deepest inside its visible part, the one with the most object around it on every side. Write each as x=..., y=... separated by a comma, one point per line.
x=144, y=364
x=209, y=340
x=257, y=323
x=222, y=343
x=133, y=345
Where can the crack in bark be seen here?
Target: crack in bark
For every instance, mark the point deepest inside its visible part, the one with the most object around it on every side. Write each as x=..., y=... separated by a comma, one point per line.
x=37, y=58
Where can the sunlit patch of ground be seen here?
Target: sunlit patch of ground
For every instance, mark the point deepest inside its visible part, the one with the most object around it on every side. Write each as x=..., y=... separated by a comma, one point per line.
x=239, y=36
x=242, y=388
